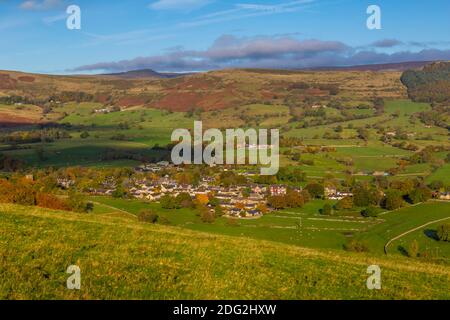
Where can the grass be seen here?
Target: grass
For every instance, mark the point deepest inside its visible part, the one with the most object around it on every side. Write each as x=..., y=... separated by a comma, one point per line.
x=120, y=258
x=304, y=226
x=399, y=221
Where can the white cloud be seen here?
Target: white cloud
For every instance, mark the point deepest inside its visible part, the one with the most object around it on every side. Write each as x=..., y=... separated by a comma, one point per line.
x=40, y=4
x=265, y=52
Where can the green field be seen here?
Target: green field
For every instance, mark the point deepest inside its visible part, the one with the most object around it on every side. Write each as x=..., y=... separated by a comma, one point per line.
x=306, y=226
x=120, y=258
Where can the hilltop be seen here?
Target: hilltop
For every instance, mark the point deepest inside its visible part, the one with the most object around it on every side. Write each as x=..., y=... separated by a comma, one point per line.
x=122, y=258
x=142, y=74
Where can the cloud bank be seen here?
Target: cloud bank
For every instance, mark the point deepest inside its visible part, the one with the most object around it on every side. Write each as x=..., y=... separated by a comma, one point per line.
x=268, y=52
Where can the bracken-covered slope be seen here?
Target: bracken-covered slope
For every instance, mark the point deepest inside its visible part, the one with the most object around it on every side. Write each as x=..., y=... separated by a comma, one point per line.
x=207, y=91
x=122, y=258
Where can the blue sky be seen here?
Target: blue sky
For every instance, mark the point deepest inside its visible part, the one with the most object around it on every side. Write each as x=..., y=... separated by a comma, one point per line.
x=194, y=35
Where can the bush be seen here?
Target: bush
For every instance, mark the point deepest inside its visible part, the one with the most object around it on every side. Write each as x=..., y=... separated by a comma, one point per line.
x=206, y=215
x=443, y=232
x=148, y=216
x=356, y=246
x=50, y=201
x=327, y=210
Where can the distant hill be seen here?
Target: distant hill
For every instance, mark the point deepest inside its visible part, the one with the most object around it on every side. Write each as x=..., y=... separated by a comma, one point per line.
x=402, y=66
x=143, y=74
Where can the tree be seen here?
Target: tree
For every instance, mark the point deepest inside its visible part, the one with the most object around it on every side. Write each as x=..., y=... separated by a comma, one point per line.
x=147, y=215
x=119, y=192
x=419, y=194
x=364, y=196
x=184, y=200
x=443, y=232
x=315, y=190
x=206, y=215
x=294, y=199
x=345, y=203
x=169, y=202
x=393, y=200
x=202, y=199
x=77, y=202
x=327, y=210
x=413, y=250
x=306, y=196
x=436, y=185
x=277, y=202
x=218, y=211
x=84, y=135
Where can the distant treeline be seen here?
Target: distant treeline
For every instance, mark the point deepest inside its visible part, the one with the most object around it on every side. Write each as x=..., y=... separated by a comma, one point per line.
x=432, y=84
x=22, y=137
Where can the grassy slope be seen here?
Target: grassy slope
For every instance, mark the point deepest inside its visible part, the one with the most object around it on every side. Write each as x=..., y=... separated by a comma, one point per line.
x=121, y=258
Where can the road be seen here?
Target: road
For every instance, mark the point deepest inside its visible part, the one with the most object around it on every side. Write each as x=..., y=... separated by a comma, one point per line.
x=412, y=230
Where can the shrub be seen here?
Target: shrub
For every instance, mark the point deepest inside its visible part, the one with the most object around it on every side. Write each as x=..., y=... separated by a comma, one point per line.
x=413, y=250
x=356, y=246
x=148, y=216
x=369, y=212
x=327, y=210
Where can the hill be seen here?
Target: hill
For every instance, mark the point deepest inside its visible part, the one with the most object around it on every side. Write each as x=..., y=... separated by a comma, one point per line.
x=400, y=66
x=122, y=258
x=142, y=74
x=207, y=91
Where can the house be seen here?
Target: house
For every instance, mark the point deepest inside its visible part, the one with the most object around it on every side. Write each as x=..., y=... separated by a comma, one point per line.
x=380, y=174
x=444, y=196
x=277, y=190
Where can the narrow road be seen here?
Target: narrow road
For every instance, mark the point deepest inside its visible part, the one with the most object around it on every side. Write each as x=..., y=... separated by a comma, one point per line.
x=412, y=230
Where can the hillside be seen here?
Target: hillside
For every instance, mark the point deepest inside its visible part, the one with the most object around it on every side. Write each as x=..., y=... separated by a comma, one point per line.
x=122, y=258
x=208, y=91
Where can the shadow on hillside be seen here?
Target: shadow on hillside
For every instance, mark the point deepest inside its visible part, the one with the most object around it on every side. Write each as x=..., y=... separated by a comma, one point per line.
x=403, y=251
x=432, y=234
